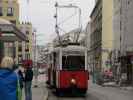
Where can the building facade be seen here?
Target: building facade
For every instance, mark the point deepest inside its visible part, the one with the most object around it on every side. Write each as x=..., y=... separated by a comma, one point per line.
x=101, y=37
x=26, y=48
x=123, y=25
x=9, y=34
x=96, y=38
x=107, y=33
x=9, y=10
x=123, y=42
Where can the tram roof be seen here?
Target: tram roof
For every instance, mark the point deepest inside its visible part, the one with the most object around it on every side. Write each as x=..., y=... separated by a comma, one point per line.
x=70, y=48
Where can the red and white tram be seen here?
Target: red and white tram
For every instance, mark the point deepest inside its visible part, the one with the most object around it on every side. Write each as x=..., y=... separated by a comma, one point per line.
x=67, y=69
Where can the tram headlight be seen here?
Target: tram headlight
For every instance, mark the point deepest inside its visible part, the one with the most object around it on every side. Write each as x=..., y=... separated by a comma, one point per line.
x=73, y=81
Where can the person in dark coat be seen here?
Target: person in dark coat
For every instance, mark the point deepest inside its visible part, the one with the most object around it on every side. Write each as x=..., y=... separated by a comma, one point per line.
x=28, y=83
x=8, y=80
x=21, y=78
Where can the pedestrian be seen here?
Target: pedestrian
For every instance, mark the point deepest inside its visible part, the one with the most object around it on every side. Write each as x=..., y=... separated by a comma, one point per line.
x=15, y=65
x=8, y=80
x=21, y=81
x=28, y=83
x=21, y=78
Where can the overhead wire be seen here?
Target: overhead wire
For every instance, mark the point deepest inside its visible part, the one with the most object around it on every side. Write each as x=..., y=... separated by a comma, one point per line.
x=66, y=19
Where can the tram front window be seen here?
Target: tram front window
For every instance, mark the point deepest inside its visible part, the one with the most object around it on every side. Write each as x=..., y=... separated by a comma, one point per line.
x=73, y=62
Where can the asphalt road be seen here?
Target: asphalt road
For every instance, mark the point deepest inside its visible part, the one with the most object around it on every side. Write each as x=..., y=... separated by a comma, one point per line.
x=96, y=92
x=53, y=96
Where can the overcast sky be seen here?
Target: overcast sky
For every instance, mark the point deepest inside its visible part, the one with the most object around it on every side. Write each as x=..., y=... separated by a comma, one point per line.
x=41, y=12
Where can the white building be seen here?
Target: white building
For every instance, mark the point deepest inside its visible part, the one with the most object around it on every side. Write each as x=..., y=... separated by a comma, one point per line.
x=123, y=36
x=123, y=31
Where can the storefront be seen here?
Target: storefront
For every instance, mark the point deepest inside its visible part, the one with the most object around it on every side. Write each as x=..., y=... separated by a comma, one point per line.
x=130, y=66
x=127, y=67
x=9, y=34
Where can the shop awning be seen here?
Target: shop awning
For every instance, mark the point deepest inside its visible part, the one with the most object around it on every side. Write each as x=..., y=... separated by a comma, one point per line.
x=10, y=33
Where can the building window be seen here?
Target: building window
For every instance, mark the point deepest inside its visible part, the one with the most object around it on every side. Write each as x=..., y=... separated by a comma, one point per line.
x=28, y=56
x=27, y=48
x=20, y=59
x=20, y=48
x=27, y=32
x=27, y=41
x=10, y=11
x=1, y=11
x=13, y=22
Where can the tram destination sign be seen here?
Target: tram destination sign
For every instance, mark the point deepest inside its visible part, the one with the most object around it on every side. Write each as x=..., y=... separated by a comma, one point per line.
x=73, y=53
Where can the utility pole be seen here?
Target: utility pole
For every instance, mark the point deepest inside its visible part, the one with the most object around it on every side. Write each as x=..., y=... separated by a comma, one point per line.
x=56, y=25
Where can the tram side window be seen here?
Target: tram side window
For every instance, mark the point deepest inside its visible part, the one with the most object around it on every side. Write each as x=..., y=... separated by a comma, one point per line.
x=73, y=62
x=56, y=59
x=50, y=60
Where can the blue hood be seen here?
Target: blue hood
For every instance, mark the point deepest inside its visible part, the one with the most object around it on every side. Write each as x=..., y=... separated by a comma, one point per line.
x=8, y=84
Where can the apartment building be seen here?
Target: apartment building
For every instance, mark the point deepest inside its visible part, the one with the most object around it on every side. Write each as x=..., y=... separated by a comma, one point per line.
x=101, y=36
x=123, y=42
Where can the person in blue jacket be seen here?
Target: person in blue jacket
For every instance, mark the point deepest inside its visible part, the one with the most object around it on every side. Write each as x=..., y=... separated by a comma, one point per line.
x=8, y=80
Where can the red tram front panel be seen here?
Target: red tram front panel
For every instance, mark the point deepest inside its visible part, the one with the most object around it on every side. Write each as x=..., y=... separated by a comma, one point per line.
x=79, y=78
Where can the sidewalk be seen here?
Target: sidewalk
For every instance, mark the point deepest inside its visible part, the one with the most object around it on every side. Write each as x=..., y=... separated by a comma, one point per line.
x=109, y=93
x=38, y=93
x=113, y=84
